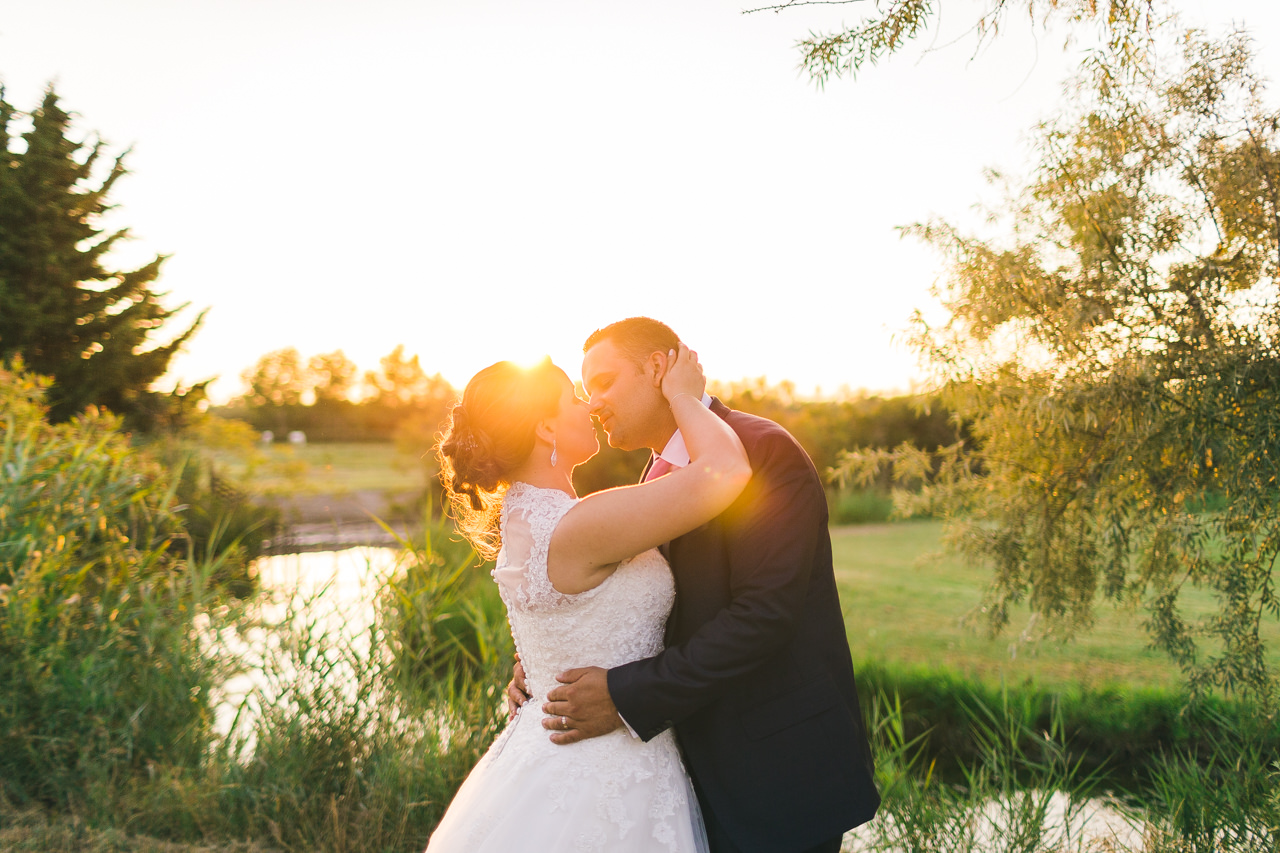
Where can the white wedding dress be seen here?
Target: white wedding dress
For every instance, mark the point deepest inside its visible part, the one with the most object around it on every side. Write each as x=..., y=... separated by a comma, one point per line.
x=613, y=793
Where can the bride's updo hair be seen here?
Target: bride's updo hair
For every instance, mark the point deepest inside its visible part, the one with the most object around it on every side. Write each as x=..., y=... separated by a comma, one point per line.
x=489, y=435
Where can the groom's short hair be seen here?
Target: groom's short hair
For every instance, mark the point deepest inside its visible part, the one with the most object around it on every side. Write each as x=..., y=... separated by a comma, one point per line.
x=636, y=337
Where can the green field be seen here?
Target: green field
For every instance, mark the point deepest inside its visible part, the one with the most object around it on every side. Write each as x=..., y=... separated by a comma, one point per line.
x=335, y=468
x=904, y=603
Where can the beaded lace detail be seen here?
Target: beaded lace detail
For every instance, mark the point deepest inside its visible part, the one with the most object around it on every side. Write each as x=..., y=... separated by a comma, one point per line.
x=529, y=517
x=620, y=620
x=611, y=792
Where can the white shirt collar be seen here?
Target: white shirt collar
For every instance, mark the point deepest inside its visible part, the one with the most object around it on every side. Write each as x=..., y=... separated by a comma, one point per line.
x=675, y=452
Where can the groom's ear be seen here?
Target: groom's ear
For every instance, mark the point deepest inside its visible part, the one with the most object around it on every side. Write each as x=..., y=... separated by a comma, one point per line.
x=655, y=367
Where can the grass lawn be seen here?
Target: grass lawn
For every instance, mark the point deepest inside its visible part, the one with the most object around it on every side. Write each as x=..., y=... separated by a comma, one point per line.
x=904, y=602
x=332, y=468
x=39, y=832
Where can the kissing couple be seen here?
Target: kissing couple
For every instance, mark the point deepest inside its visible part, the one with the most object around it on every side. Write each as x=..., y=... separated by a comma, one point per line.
x=684, y=679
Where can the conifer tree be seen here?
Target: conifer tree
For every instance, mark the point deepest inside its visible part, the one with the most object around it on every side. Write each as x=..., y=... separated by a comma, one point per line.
x=62, y=310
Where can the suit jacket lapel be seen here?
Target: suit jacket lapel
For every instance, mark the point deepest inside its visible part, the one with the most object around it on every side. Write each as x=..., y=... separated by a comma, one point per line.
x=720, y=408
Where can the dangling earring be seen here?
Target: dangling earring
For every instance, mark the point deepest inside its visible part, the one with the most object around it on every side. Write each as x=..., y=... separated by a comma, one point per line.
x=553, y=453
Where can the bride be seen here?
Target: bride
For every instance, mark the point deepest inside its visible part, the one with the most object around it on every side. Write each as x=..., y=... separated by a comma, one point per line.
x=584, y=584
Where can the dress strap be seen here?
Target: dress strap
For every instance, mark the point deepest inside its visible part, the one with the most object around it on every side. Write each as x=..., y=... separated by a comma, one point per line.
x=529, y=518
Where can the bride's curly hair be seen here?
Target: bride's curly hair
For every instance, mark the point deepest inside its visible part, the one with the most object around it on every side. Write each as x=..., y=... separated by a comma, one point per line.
x=490, y=433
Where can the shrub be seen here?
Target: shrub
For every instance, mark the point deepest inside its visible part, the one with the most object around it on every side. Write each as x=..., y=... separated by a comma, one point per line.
x=860, y=506
x=101, y=671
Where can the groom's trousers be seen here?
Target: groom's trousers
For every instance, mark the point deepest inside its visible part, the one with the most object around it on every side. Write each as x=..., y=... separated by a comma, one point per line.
x=722, y=843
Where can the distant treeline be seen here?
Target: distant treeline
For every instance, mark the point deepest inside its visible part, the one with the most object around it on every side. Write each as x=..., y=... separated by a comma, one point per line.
x=401, y=403
x=398, y=402
x=343, y=420
x=826, y=427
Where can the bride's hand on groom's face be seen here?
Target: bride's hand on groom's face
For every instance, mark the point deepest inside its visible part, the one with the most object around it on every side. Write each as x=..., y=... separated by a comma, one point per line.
x=580, y=706
x=683, y=374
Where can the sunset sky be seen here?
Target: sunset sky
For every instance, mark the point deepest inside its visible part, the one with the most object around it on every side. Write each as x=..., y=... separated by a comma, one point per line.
x=487, y=179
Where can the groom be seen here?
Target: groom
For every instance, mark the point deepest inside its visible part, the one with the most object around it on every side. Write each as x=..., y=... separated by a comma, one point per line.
x=756, y=677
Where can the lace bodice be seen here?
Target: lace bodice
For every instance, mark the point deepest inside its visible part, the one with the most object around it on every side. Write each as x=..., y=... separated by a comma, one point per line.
x=609, y=794
x=618, y=621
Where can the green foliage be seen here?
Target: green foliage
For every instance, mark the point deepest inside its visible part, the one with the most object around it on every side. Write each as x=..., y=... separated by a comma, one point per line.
x=336, y=757
x=444, y=618
x=76, y=496
x=401, y=381
x=1122, y=732
x=101, y=672
x=355, y=739
x=1119, y=362
x=965, y=766
x=33, y=830
x=333, y=376
x=318, y=468
x=114, y=657
x=61, y=309
x=824, y=428
x=860, y=506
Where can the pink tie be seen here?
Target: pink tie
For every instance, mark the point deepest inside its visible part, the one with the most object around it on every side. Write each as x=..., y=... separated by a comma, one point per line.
x=659, y=467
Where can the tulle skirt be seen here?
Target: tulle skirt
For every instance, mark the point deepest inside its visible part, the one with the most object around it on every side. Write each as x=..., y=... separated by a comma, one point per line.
x=614, y=793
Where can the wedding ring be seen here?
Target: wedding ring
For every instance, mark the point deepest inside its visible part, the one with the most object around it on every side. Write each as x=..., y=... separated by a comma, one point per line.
x=564, y=723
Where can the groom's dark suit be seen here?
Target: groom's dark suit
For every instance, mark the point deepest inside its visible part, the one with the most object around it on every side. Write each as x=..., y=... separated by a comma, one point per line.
x=757, y=677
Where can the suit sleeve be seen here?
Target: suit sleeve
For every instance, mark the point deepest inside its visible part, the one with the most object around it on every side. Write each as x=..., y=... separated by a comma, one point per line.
x=772, y=534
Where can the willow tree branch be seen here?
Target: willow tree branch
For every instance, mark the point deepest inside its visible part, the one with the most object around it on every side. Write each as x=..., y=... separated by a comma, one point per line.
x=793, y=3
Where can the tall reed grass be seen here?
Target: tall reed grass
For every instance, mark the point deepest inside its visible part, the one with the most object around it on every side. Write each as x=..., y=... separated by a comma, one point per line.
x=1025, y=794
x=1026, y=788
x=442, y=613
x=1223, y=799
x=340, y=753
x=101, y=673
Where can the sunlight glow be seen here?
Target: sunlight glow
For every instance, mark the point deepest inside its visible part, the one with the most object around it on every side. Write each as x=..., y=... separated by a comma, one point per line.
x=334, y=179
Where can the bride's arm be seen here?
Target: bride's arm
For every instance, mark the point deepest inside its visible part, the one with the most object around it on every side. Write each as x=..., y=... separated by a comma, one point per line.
x=609, y=526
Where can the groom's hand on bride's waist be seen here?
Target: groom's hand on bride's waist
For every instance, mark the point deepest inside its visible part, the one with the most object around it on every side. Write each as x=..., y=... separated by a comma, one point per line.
x=580, y=706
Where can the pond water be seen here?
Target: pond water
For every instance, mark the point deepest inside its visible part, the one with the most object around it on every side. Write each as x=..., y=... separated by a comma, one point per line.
x=330, y=592
x=335, y=581
x=1091, y=826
